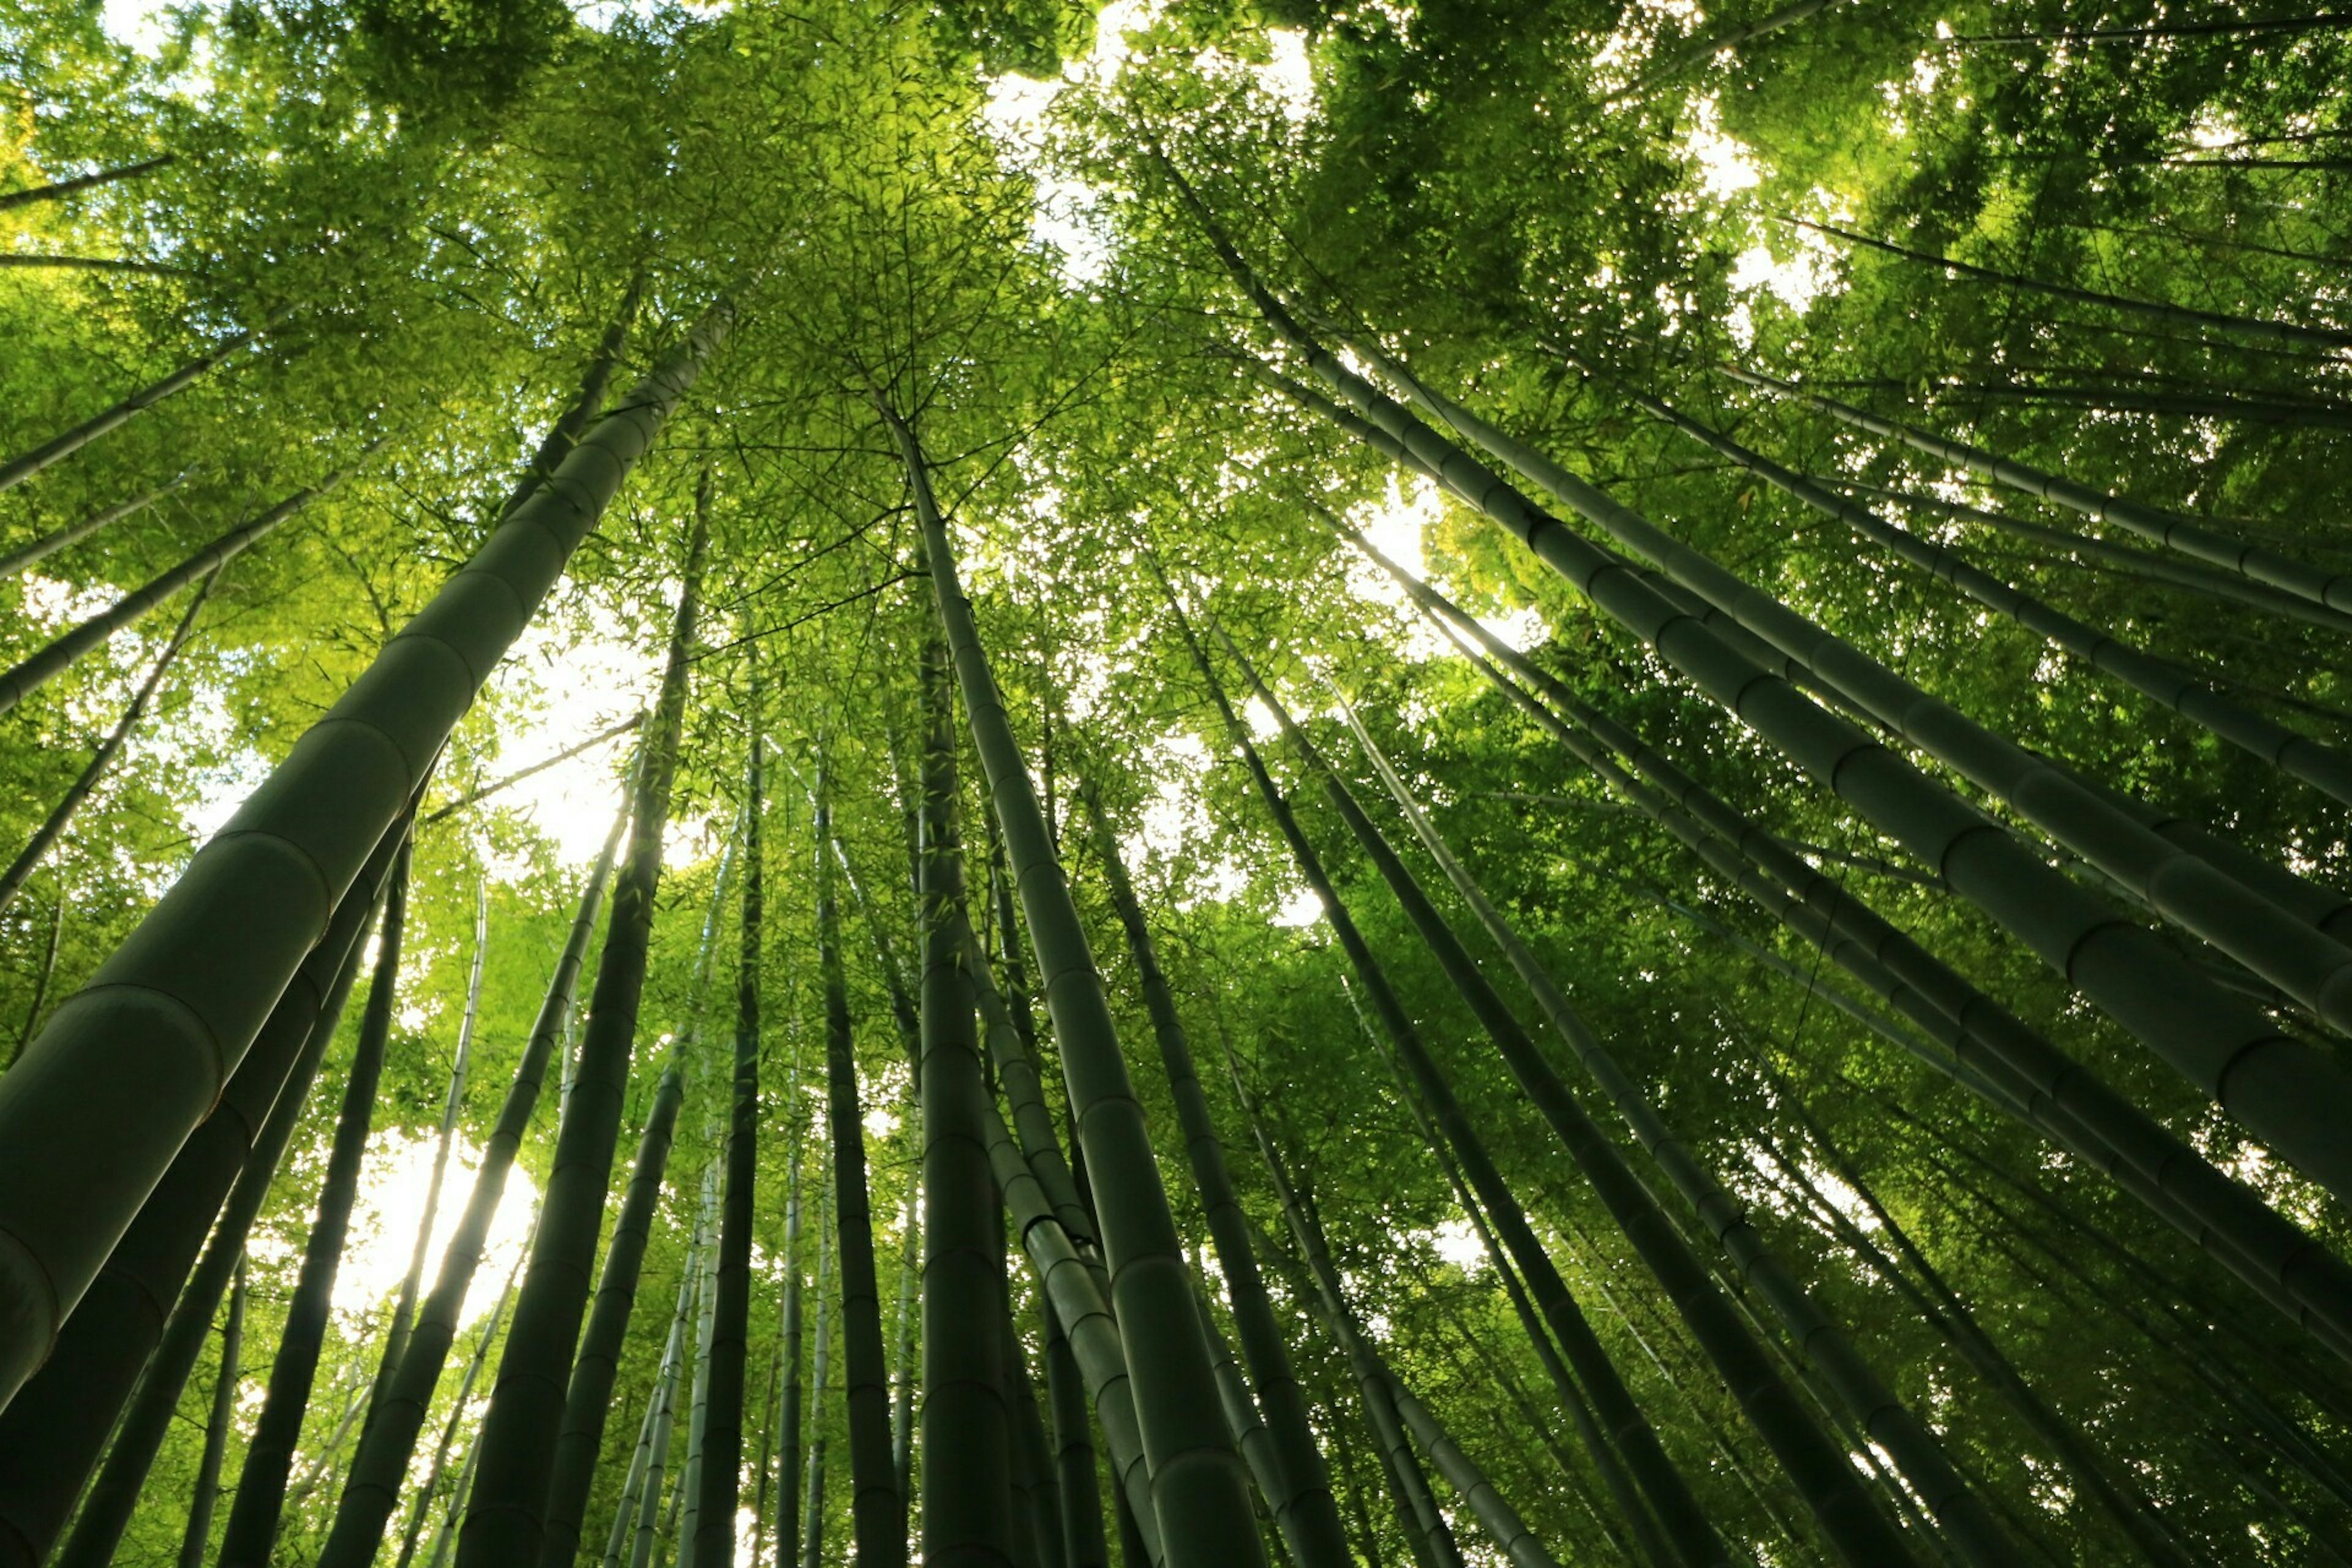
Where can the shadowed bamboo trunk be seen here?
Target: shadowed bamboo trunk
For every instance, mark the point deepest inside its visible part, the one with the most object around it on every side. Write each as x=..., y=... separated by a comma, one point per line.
x=57, y=188
x=902, y=1406
x=450, y=1428
x=34, y=552
x=1079, y=1491
x=253, y=1518
x=196, y=1540
x=12, y=880
x=16, y=470
x=722, y=1437
x=1068, y=1282
x=1039, y=1522
x=177, y=1008
x=877, y=1512
x=2233, y=1053
x=1199, y=1490
x=966, y=1430
x=1821, y=1343
x=56, y=1427
x=1302, y=1499
x=398, y=1408
x=46, y=663
x=1998, y=1057
x=1677, y=1511
x=504, y=1515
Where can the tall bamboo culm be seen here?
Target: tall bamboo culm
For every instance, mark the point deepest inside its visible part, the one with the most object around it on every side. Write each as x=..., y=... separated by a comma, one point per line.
x=177, y=1006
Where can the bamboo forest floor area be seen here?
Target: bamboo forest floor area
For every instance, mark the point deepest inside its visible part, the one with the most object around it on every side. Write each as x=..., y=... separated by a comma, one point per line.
x=1195, y=784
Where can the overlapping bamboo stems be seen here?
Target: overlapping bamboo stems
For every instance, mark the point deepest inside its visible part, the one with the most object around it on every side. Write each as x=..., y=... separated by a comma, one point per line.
x=195, y=1536
x=403, y=1398
x=1039, y=1522
x=1622, y=1494
x=28, y=859
x=773, y=1419
x=1199, y=1490
x=1941, y=1307
x=877, y=1510
x=1017, y=1080
x=55, y=1430
x=1669, y=1497
x=713, y=1542
x=1821, y=1342
x=1301, y=1498
x=177, y=1007
x=1430, y=1537
x=597, y=1362
x=2184, y=573
x=1067, y=1281
x=1828, y=1484
x=686, y=1502
x=1243, y=1419
x=676, y=1356
x=17, y=469
x=504, y=1516
x=43, y=665
x=967, y=1500
x=1504, y=1527
x=2017, y=1069
x=2233, y=1054
x=588, y=1395
x=253, y=1518
x=403, y=1308
x=475, y=1365
x=660, y=1411
x=1084, y=1544
x=2186, y=534
x=2184, y=691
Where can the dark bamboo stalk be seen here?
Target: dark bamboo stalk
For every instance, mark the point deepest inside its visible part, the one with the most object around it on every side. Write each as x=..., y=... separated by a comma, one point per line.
x=261, y=1487
x=504, y=1515
x=195, y=1539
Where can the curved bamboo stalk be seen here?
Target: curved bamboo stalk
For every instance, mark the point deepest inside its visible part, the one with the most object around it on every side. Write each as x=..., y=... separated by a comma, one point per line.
x=2155, y=525
x=2184, y=691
